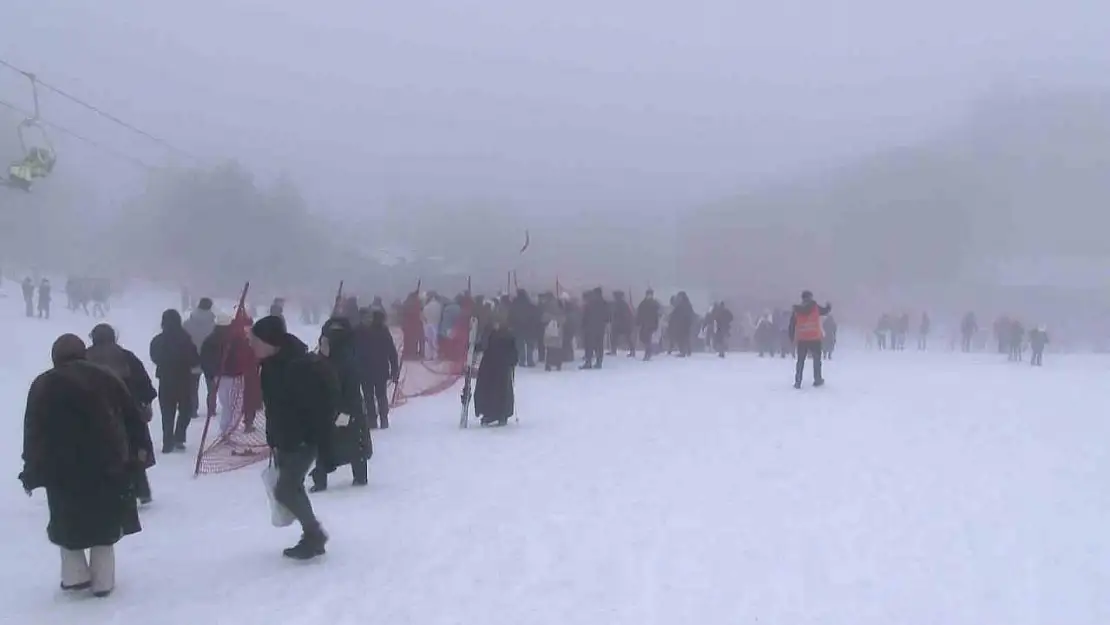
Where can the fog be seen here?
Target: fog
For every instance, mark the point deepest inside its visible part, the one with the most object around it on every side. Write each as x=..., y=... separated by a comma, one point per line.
x=708, y=144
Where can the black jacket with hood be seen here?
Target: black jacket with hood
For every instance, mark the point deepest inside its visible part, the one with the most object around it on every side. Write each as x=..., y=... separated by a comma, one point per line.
x=173, y=352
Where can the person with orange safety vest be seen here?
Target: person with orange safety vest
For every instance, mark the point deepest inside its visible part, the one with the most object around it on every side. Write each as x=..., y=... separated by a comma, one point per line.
x=806, y=333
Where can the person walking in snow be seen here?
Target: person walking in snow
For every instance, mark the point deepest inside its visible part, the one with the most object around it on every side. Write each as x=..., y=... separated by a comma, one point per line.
x=175, y=357
x=1038, y=339
x=299, y=391
x=45, y=298
x=494, y=399
x=200, y=324
x=83, y=439
x=226, y=359
x=647, y=320
x=29, y=296
x=806, y=333
x=433, y=315
x=376, y=357
x=350, y=436
x=828, y=342
x=106, y=352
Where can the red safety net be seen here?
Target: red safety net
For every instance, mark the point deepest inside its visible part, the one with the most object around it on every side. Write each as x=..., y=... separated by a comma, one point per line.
x=243, y=441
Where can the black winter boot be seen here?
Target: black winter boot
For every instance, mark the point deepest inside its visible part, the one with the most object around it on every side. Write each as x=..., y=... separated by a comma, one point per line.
x=310, y=546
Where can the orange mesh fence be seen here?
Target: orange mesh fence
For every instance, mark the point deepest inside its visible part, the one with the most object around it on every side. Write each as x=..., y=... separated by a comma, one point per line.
x=243, y=441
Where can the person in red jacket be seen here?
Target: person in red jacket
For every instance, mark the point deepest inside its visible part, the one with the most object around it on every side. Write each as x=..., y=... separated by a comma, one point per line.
x=806, y=333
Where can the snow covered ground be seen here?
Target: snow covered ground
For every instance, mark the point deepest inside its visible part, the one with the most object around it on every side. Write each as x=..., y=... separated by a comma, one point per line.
x=933, y=489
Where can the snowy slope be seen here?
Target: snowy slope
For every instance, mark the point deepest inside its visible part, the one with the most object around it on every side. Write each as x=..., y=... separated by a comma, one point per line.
x=915, y=489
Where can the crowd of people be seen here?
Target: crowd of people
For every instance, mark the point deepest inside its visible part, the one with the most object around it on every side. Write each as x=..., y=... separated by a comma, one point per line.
x=87, y=437
x=79, y=291
x=1009, y=333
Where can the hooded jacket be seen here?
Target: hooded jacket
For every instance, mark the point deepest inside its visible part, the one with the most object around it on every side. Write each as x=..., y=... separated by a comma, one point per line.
x=173, y=352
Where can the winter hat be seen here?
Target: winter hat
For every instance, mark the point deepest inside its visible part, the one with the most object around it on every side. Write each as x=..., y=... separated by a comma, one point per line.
x=205, y=303
x=807, y=295
x=102, y=334
x=270, y=330
x=67, y=348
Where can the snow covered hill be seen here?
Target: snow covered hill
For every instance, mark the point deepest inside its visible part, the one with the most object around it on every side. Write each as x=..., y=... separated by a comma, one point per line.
x=935, y=489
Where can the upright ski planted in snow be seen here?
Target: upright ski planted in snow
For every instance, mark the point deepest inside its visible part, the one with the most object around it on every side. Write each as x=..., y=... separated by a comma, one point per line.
x=469, y=371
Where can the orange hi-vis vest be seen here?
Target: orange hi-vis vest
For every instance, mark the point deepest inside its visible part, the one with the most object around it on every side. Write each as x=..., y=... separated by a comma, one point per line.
x=807, y=325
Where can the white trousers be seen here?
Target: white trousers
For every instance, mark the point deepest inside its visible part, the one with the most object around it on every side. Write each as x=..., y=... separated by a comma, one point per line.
x=225, y=399
x=431, y=341
x=99, y=567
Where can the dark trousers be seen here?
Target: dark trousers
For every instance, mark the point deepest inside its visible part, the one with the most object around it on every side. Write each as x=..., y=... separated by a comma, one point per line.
x=812, y=349
x=645, y=340
x=1037, y=357
x=720, y=340
x=375, y=395
x=359, y=472
x=292, y=466
x=177, y=403
x=684, y=342
x=620, y=337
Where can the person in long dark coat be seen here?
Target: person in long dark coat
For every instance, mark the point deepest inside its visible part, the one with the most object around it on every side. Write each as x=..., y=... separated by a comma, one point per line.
x=494, y=401
x=350, y=434
x=647, y=319
x=83, y=437
x=106, y=352
x=595, y=318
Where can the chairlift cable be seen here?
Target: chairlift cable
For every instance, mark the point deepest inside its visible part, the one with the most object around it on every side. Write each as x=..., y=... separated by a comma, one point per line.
x=79, y=137
x=112, y=118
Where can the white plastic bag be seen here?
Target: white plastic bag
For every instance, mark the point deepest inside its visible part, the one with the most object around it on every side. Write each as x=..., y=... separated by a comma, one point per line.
x=280, y=516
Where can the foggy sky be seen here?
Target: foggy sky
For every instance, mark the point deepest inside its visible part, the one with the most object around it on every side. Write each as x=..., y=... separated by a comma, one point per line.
x=599, y=105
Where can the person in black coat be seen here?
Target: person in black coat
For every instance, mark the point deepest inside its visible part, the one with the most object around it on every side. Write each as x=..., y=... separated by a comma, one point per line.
x=595, y=318
x=107, y=353
x=681, y=325
x=721, y=320
x=350, y=436
x=621, y=329
x=494, y=401
x=377, y=362
x=83, y=438
x=525, y=321
x=175, y=359
x=300, y=392
x=647, y=319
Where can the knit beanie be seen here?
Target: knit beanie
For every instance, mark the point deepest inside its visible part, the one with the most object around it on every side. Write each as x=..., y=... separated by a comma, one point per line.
x=270, y=330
